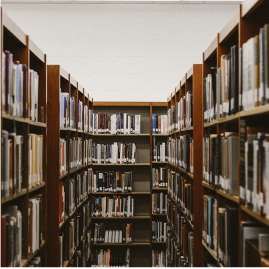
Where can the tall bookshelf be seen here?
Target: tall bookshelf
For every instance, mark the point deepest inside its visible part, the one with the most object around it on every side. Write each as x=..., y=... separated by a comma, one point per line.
x=141, y=183
x=158, y=245
x=245, y=24
x=191, y=82
x=26, y=52
x=59, y=81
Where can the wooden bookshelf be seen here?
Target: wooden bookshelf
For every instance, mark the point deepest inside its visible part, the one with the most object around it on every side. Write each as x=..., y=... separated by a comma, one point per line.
x=23, y=49
x=191, y=81
x=59, y=81
x=244, y=24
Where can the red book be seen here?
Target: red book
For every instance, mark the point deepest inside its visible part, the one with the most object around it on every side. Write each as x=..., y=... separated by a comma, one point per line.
x=3, y=241
x=108, y=257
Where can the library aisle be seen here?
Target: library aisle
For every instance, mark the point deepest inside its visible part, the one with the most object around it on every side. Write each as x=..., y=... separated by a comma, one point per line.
x=178, y=183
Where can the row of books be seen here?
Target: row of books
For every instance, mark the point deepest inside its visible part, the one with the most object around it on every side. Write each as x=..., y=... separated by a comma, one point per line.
x=17, y=98
x=159, y=231
x=180, y=152
x=182, y=192
x=159, y=203
x=82, y=255
x=159, y=151
x=180, y=116
x=113, y=207
x=115, y=153
x=12, y=163
x=159, y=258
x=254, y=173
x=87, y=119
x=12, y=236
x=226, y=92
x=105, y=258
x=80, y=114
x=36, y=160
x=220, y=161
x=112, y=181
x=83, y=221
x=121, y=123
x=159, y=177
x=75, y=151
x=102, y=234
x=67, y=110
x=159, y=124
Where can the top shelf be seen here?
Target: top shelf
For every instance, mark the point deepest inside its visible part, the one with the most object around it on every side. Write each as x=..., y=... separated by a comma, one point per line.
x=36, y=51
x=13, y=29
x=211, y=49
x=249, y=6
x=230, y=27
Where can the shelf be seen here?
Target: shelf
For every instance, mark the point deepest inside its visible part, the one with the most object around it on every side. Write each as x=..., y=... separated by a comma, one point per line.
x=72, y=129
x=120, y=244
x=63, y=223
x=71, y=215
x=121, y=193
x=121, y=134
x=37, y=124
x=66, y=263
x=64, y=128
x=226, y=195
x=82, y=202
x=77, y=169
x=13, y=197
x=24, y=263
x=36, y=51
x=80, y=131
x=211, y=251
x=156, y=162
x=255, y=215
x=123, y=164
x=156, y=242
x=249, y=6
x=208, y=186
x=256, y=111
x=159, y=189
x=156, y=214
x=211, y=49
x=188, y=129
x=37, y=187
x=160, y=134
x=36, y=252
x=135, y=217
x=64, y=175
x=18, y=119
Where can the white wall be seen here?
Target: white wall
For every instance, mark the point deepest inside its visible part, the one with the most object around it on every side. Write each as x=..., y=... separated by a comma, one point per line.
x=123, y=52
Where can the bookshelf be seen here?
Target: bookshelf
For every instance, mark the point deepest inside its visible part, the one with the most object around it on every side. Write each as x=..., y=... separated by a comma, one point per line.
x=24, y=190
x=141, y=182
x=244, y=25
x=183, y=175
x=67, y=181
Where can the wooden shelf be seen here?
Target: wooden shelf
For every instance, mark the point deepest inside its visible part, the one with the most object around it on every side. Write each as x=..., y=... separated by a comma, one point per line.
x=121, y=193
x=77, y=169
x=256, y=111
x=249, y=6
x=120, y=244
x=71, y=215
x=226, y=195
x=211, y=251
x=135, y=217
x=156, y=242
x=156, y=162
x=156, y=214
x=159, y=189
x=63, y=223
x=13, y=197
x=24, y=263
x=82, y=202
x=37, y=187
x=64, y=175
x=35, y=253
x=123, y=164
x=255, y=215
x=160, y=134
x=113, y=135
x=211, y=49
x=208, y=186
x=72, y=129
x=37, y=124
x=15, y=118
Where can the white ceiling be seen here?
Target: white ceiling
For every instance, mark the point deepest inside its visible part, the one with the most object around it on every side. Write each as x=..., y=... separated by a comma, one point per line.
x=120, y=1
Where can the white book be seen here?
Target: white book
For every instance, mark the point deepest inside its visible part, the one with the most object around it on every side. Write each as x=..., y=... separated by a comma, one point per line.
x=114, y=236
x=125, y=123
x=120, y=237
x=113, y=124
x=117, y=236
x=110, y=236
x=129, y=125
